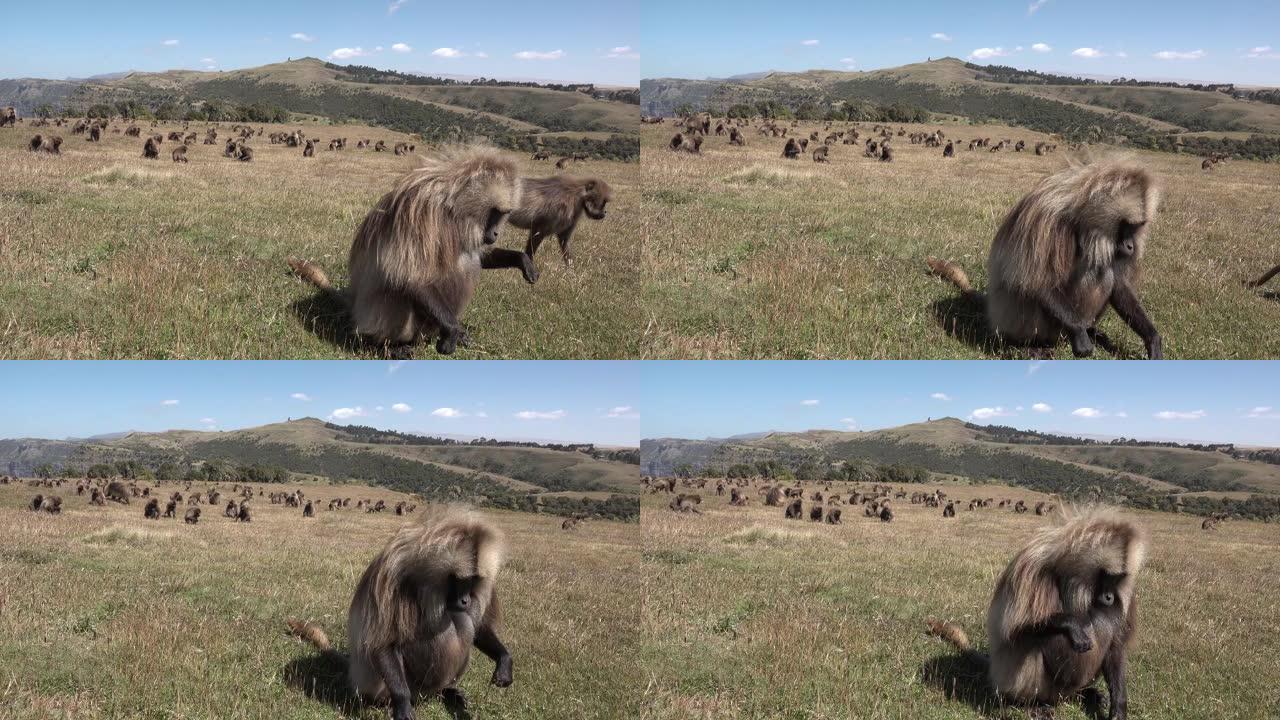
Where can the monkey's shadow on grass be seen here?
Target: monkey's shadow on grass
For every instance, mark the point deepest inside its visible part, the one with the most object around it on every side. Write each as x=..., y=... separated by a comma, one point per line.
x=964, y=317
x=323, y=677
x=328, y=319
x=963, y=677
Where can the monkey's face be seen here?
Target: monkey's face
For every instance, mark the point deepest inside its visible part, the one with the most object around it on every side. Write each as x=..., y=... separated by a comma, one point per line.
x=463, y=594
x=598, y=194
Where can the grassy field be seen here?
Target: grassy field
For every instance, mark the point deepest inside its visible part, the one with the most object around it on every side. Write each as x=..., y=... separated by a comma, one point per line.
x=748, y=255
x=109, y=255
x=748, y=615
x=106, y=615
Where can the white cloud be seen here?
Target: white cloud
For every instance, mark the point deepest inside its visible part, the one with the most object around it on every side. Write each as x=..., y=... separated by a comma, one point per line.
x=988, y=53
x=1122, y=54
x=210, y=63
x=347, y=413
x=1034, y=367
x=986, y=413
x=482, y=414
x=1088, y=412
x=1262, y=52
x=810, y=43
x=849, y=423
x=448, y=412
x=1122, y=414
x=378, y=49
x=395, y=5
x=348, y=53
x=1041, y=48
x=378, y=409
x=168, y=402
x=208, y=421
x=810, y=402
x=940, y=396
x=1263, y=412
x=1179, y=55
x=401, y=48
x=622, y=411
x=1088, y=52
x=169, y=43
x=482, y=54
x=539, y=55
x=1035, y=5
x=848, y=62
x=301, y=396
x=941, y=36
x=1180, y=415
x=393, y=366
x=448, y=52
x=302, y=36
x=401, y=407
x=1042, y=407
x=625, y=52
x=539, y=415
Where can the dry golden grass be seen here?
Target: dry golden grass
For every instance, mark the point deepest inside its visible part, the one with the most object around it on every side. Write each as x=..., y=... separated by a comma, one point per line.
x=106, y=615
x=748, y=615
x=109, y=255
x=748, y=255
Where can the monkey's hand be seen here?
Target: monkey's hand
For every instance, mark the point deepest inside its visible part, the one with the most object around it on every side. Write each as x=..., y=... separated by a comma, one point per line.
x=448, y=340
x=1155, y=348
x=527, y=267
x=1080, y=641
x=502, y=673
x=1081, y=343
x=403, y=711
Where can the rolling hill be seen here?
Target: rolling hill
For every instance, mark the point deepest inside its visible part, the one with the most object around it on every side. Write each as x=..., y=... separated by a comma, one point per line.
x=545, y=479
x=1149, y=116
x=1158, y=475
x=562, y=119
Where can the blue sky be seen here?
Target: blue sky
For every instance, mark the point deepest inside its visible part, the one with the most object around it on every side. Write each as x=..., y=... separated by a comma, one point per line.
x=1226, y=40
x=579, y=401
x=565, y=40
x=1234, y=401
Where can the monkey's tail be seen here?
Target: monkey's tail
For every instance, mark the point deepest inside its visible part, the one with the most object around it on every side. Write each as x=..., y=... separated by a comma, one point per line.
x=312, y=273
x=310, y=632
x=1263, y=280
x=951, y=633
x=950, y=272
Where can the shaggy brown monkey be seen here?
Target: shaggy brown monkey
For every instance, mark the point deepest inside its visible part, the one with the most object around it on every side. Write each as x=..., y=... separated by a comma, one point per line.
x=949, y=150
x=116, y=491
x=541, y=155
x=151, y=149
x=417, y=255
x=570, y=524
x=1265, y=277
x=171, y=509
x=310, y=149
x=886, y=152
x=310, y=632
x=243, y=514
x=180, y=154
x=231, y=510
x=152, y=510
x=1063, y=612
x=192, y=517
x=95, y=134
x=833, y=516
x=244, y=153
x=950, y=509
x=682, y=143
x=96, y=497
x=886, y=515
x=51, y=145
x=37, y=502
x=9, y=117
x=735, y=137
x=308, y=511
x=791, y=150
x=561, y=163
x=1065, y=252
x=821, y=153
x=420, y=606
x=686, y=503
x=794, y=510
x=553, y=206
x=773, y=497
x=815, y=513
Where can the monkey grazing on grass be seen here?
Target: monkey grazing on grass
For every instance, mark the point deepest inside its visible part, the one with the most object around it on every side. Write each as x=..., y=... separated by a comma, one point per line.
x=1066, y=252
x=417, y=255
x=1063, y=613
x=421, y=605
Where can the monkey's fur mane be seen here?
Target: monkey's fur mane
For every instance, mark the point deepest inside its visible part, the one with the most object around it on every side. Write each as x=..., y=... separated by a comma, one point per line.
x=1043, y=239
x=446, y=541
x=1054, y=571
x=442, y=195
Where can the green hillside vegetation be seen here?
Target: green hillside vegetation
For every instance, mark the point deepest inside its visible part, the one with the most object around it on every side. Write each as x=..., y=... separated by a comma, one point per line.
x=1157, y=116
x=527, y=479
x=509, y=115
x=1151, y=477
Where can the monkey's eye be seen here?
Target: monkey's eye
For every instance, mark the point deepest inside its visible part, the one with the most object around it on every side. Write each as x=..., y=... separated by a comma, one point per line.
x=1107, y=598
